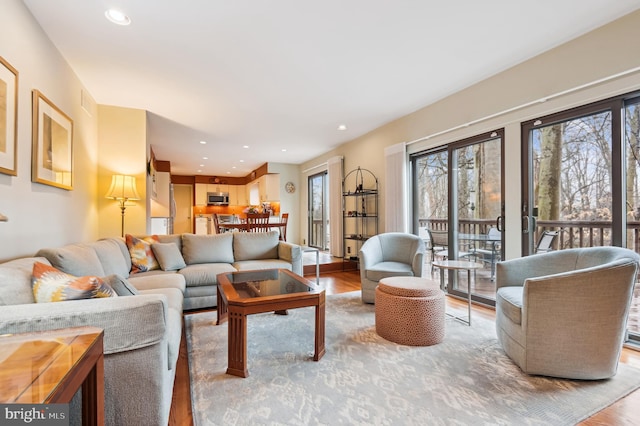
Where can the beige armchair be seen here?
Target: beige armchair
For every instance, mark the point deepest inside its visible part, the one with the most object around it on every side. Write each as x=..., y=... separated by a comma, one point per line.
x=391, y=254
x=564, y=313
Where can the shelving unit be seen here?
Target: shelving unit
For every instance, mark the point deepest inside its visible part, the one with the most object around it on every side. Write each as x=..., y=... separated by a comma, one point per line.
x=359, y=210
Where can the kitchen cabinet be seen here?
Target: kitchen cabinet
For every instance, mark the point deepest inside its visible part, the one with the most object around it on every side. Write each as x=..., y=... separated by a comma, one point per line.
x=269, y=187
x=215, y=187
x=238, y=195
x=201, y=194
x=202, y=225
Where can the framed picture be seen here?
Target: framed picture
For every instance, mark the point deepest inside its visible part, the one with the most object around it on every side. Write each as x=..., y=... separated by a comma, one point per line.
x=8, y=118
x=52, y=156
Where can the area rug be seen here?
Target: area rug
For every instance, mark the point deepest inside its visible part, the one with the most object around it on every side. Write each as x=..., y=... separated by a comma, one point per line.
x=366, y=380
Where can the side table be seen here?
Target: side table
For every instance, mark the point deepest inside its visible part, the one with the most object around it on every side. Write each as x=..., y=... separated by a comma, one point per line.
x=306, y=249
x=49, y=367
x=457, y=265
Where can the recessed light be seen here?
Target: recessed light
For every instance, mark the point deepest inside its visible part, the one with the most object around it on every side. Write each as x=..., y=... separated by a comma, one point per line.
x=242, y=161
x=284, y=149
x=228, y=173
x=201, y=165
x=245, y=146
x=117, y=17
x=203, y=142
x=205, y=158
x=233, y=167
x=199, y=171
x=342, y=127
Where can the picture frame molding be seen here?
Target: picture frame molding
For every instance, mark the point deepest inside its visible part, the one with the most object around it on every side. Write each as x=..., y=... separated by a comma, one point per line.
x=11, y=131
x=38, y=173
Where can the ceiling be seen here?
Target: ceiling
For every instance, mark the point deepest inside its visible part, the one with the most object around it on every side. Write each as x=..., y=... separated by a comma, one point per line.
x=284, y=74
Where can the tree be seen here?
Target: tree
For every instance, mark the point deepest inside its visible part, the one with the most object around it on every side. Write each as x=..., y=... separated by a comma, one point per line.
x=549, y=173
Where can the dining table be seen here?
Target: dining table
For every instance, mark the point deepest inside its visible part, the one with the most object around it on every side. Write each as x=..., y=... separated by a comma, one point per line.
x=243, y=227
x=492, y=241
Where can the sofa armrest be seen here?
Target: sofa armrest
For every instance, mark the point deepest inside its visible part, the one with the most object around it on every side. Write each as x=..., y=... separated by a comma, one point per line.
x=514, y=272
x=128, y=322
x=417, y=264
x=292, y=253
x=370, y=253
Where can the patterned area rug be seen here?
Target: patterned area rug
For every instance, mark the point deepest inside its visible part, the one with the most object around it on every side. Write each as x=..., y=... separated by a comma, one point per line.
x=364, y=379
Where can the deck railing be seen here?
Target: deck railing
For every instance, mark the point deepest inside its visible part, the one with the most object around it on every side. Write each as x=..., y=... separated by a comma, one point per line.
x=573, y=234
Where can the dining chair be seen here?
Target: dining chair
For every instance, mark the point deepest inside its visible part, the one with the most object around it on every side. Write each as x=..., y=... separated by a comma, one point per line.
x=257, y=222
x=545, y=243
x=283, y=226
x=489, y=250
x=216, y=223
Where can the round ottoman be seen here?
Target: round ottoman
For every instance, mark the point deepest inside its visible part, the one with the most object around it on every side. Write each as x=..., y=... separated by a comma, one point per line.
x=410, y=311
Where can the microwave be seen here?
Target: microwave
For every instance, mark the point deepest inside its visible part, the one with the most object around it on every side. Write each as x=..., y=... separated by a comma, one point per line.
x=217, y=198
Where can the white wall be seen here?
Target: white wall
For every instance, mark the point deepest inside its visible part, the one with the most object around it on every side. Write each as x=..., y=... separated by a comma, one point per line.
x=289, y=202
x=41, y=215
x=598, y=65
x=122, y=136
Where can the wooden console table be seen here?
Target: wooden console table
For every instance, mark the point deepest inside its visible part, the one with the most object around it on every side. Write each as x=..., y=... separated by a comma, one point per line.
x=49, y=367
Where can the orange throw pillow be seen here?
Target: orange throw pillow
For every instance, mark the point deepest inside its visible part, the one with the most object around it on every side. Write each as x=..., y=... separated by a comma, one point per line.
x=51, y=285
x=142, y=257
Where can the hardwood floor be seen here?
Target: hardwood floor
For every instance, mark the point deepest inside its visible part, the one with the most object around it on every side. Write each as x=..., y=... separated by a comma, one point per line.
x=623, y=412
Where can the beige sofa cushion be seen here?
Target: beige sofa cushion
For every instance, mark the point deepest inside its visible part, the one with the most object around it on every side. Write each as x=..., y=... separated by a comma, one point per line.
x=207, y=248
x=15, y=281
x=255, y=245
x=204, y=274
x=74, y=259
x=113, y=255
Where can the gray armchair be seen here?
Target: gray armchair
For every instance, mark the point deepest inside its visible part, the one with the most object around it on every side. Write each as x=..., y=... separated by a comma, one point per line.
x=564, y=313
x=391, y=254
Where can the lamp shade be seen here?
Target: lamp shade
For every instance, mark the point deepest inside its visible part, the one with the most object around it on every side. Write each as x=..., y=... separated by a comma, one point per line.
x=123, y=188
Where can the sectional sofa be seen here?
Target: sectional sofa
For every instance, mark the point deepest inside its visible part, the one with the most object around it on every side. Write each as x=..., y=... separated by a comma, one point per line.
x=143, y=324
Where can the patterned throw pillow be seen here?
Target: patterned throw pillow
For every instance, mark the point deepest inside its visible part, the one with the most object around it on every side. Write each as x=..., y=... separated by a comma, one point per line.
x=51, y=285
x=142, y=258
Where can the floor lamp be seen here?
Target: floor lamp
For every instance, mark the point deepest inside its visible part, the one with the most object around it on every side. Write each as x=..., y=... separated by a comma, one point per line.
x=123, y=189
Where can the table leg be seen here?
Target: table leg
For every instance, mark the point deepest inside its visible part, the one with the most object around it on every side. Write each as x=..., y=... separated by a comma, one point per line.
x=93, y=395
x=320, y=329
x=442, y=278
x=222, y=308
x=318, y=267
x=469, y=294
x=237, y=351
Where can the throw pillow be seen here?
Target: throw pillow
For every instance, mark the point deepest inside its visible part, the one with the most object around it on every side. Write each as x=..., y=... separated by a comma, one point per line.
x=208, y=248
x=51, y=285
x=168, y=256
x=142, y=257
x=121, y=285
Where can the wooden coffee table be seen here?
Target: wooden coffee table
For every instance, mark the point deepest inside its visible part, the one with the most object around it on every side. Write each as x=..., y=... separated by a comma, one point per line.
x=270, y=290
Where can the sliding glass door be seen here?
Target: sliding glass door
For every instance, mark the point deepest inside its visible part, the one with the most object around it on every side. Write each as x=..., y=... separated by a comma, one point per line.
x=632, y=177
x=318, y=211
x=570, y=181
x=477, y=163
x=458, y=201
x=581, y=180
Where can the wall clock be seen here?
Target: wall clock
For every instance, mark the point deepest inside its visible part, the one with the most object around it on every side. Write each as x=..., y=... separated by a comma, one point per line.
x=290, y=187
